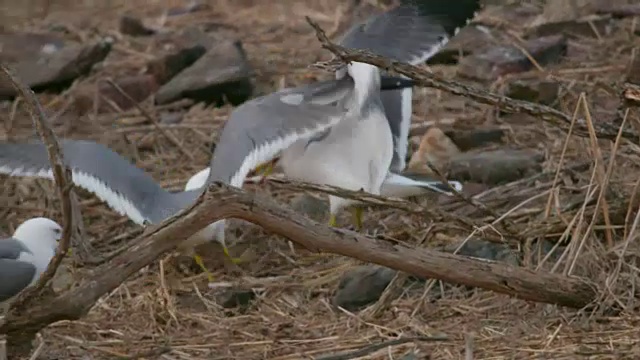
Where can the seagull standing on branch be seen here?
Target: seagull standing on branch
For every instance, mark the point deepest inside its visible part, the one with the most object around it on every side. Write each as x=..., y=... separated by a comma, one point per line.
x=26, y=255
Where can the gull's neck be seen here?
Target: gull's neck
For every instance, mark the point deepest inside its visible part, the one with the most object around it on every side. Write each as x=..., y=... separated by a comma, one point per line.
x=366, y=80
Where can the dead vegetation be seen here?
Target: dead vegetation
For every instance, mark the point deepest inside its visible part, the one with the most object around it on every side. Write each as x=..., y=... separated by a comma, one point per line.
x=585, y=198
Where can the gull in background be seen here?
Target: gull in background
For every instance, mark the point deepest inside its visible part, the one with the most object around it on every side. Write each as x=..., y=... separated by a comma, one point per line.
x=26, y=255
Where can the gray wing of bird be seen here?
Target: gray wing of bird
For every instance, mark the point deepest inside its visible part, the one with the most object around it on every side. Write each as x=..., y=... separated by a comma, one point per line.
x=412, y=33
x=15, y=275
x=259, y=129
x=96, y=168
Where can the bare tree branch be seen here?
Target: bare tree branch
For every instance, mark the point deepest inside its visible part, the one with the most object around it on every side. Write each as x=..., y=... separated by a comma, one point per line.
x=433, y=213
x=374, y=200
x=221, y=201
x=552, y=116
x=62, y=179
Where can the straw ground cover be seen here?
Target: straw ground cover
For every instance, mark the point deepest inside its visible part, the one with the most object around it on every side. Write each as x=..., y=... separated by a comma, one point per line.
x=587, y=192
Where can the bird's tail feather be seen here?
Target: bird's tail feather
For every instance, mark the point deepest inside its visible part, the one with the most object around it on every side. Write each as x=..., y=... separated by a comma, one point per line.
x=404, y=186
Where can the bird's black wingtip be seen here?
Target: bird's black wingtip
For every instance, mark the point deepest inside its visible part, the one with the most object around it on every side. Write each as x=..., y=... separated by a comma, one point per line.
x=454, y=14
x=388, y=82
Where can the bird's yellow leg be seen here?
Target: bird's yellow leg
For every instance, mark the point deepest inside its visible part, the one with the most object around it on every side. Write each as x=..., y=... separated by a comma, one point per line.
x=200, y=263
x=266, y=169
x=226, y=252
x=357, y=213
x=332, y=220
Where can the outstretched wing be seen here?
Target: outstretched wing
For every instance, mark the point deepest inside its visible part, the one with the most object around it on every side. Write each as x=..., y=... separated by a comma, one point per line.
x=261, y=128
x=96, y=168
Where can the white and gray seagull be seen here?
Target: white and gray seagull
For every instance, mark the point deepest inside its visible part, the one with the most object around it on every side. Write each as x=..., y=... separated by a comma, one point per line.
x=296, y=120
x=412, y=33
x=26, y=255
x=343, y=132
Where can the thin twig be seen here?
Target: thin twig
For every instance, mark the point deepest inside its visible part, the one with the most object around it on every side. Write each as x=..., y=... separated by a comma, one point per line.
x=505, y=103
x=377, y=200
x=606, y=176
x=151, y=119
x=61, y=177
x=507, y=225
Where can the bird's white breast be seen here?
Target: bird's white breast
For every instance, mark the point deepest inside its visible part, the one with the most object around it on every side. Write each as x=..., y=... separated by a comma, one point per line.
x=355, y=155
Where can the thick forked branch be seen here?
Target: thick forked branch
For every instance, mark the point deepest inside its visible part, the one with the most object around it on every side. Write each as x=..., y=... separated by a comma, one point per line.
x=62, y=179
x=505, y=103
x=221, y=201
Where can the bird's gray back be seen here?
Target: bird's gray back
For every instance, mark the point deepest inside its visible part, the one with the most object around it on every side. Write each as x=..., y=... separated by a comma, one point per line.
x=10, y=248
x=265, y=121
x=14, y=276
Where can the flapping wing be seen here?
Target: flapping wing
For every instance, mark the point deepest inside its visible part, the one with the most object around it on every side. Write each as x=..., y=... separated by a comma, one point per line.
x=413, y=31
x=95, y=168
x=261, y=128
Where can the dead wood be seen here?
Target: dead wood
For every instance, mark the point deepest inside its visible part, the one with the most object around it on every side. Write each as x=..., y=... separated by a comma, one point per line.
x=221, y=201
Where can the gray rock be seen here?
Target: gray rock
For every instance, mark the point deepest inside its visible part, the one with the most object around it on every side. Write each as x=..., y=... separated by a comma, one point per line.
x=538, y=91
x=495, y=167
x=235, y=298
x=362, y=286
x=466, y=140
x=45, y=62
x=133, y=26
x=489, y=250
x=177, y=51
x=311, y=206
x=410, y=355
x=220, y=75
x=501, y=60
x=484, y=249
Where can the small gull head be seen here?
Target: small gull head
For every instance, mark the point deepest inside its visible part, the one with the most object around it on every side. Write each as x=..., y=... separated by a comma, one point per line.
x=39, y=231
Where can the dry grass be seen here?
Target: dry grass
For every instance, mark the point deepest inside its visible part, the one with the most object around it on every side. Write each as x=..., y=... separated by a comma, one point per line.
x=161, y=310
